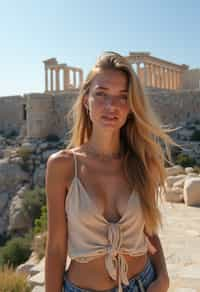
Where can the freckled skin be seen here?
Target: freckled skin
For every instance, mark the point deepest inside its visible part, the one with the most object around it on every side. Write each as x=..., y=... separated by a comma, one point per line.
x=114, y=85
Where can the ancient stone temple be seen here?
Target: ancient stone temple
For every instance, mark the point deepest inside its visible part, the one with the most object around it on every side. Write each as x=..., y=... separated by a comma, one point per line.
x=60, y=77
x=157, y=73
x=36, y=115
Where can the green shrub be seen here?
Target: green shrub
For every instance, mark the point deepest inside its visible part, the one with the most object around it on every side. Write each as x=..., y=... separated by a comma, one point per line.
x=196, y=169
x=40, y=224
x=15, y=252
x=52, y=138
x=24, y=153
x=185, y=160
x=195, y=136
x=11, y=134
x=24, y=166
x=197, y=122
x=32, y=203
x=11, y=281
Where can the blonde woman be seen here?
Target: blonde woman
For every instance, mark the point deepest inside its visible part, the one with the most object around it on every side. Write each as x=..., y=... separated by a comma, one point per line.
x=103, y=189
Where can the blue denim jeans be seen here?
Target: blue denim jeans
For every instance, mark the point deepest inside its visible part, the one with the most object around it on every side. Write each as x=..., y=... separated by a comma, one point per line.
x=136, y=284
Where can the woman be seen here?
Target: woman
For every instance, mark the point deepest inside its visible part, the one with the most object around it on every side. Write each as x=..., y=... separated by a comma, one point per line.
x=103, y=189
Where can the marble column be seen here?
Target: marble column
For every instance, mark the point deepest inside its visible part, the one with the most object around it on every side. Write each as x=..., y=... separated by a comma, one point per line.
x=150, y=76
x=51, y=69
x=145, y=75
x=157, y=76
x=80, y=78
x=74, y=78
x=169, y=79
x=138, y=70
x=180, y=79
x=57, y=79
x=160, y=76
x=153, y=75
x=46, y=80
x=164, y=77
x=175, y=85
x=173, y=80
x=66, y=78
x=177, y=80
x=172, y=75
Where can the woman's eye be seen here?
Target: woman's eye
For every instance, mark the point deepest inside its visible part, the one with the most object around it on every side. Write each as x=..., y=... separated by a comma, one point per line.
x=99, y=93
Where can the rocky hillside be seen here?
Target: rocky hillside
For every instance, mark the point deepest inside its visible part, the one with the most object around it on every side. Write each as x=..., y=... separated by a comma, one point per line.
x=23, y=162
x=22, y=167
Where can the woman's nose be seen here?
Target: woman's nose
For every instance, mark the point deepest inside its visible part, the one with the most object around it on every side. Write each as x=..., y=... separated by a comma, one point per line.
x=111, y=101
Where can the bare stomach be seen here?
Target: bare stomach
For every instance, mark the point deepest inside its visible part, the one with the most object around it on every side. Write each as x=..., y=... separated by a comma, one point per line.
x=93, y=275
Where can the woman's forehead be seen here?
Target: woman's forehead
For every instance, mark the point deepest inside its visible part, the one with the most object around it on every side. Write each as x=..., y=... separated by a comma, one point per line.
x=108, y=78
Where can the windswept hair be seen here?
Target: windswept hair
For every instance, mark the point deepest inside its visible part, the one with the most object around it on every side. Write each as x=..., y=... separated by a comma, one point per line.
x=142, y=138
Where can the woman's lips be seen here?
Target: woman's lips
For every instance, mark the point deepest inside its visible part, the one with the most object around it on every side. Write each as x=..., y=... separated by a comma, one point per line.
x=109, y=118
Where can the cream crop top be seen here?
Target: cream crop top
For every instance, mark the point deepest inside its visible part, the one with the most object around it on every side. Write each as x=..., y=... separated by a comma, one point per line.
x=90, y=235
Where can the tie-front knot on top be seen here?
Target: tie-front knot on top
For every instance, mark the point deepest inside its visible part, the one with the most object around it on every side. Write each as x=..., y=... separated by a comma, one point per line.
x=115, y=261
x=114, y=238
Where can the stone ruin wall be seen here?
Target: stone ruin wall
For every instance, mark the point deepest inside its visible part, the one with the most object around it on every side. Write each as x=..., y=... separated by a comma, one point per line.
x=175, y=107
x=11, y=113
x=46, y=113
x=191, y=79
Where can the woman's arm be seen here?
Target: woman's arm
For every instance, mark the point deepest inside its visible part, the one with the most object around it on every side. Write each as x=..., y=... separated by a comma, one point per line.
x=56, y=248
x=158, y=260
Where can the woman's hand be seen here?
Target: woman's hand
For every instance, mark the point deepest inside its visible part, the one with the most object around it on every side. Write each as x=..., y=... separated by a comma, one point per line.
x=161, y=284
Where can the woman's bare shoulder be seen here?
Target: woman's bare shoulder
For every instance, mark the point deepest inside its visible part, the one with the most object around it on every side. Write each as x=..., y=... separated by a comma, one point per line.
x=61, y=161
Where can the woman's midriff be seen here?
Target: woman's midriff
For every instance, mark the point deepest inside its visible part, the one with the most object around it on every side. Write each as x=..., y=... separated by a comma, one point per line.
x=93, y=275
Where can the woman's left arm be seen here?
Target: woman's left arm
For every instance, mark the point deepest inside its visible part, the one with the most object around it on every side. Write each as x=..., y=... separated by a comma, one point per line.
x=161, y=283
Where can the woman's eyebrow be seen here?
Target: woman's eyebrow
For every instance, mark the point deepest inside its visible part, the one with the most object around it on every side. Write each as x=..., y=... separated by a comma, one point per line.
x=105, y=88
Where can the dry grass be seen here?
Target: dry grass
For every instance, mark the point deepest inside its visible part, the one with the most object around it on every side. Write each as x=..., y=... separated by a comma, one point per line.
x=11, y=281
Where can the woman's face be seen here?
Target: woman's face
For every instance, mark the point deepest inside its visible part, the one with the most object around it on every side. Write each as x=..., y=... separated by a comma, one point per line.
x=108, y=99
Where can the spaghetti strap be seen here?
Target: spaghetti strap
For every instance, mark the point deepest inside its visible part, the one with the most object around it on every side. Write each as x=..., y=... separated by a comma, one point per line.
x=75, y=164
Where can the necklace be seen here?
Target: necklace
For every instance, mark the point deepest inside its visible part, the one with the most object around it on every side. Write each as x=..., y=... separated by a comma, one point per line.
x=104, y=157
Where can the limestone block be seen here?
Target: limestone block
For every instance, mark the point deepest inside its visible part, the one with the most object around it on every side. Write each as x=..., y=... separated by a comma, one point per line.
x=43, y=146
x=180, y=183
x=191, y=191
x=11, y=175
x=29, y=146
x=193, y=174
x=171, y=180
x=174, y=195
x=189, y=170
x=38, y=289
x=17, y=219
x=175, y=170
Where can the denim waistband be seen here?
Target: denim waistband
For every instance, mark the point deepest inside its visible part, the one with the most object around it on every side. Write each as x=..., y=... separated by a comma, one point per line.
x=143, y=279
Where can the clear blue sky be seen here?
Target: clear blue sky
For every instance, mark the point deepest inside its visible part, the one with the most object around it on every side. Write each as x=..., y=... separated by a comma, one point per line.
x=77, y=31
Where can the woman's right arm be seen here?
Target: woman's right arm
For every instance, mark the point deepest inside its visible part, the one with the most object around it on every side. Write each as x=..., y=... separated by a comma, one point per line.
x=58, y=165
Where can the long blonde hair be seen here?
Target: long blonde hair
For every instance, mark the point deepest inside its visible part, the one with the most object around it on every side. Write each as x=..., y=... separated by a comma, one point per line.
x=141, y=138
